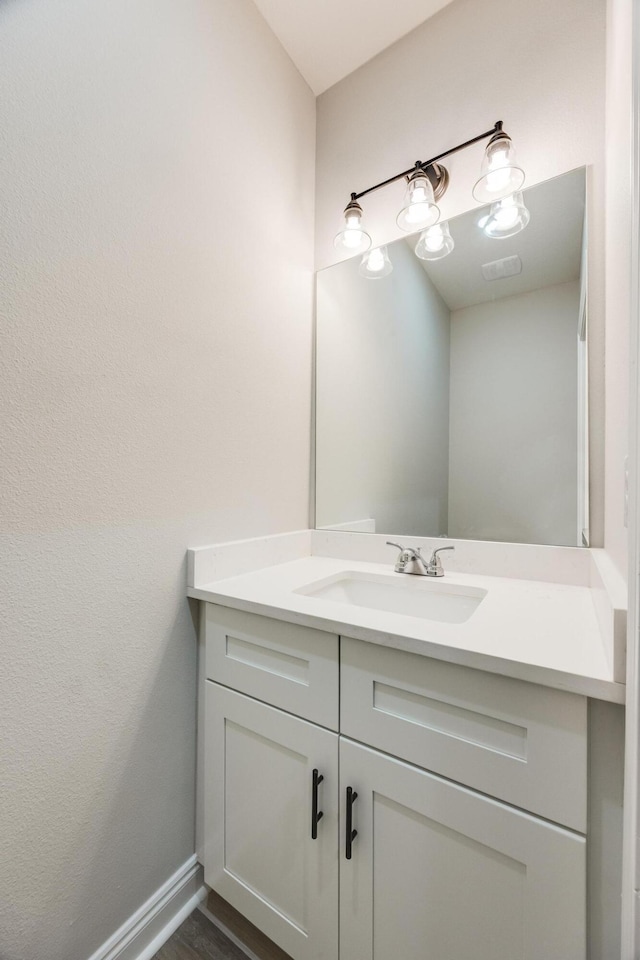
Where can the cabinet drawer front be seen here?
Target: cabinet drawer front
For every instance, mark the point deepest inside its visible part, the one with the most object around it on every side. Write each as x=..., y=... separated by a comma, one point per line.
x=291, y=667
x=513, y=740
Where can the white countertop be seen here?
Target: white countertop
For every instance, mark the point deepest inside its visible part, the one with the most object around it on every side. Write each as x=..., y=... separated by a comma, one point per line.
x=546, y=633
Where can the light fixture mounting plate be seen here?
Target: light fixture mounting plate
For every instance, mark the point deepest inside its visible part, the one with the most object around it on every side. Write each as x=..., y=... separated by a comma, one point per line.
x=439, y=177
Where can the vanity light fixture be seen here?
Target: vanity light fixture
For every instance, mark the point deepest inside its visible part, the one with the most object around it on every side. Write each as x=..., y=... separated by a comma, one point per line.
x=506, y=217
x=499, y=175
x=375, y=264
x=420, y=209
x=428, y=180
x=435, y=243
x=352, y=238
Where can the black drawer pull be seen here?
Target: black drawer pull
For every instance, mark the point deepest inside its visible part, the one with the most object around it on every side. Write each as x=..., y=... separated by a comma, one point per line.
x=316, y=814
x=351, y=833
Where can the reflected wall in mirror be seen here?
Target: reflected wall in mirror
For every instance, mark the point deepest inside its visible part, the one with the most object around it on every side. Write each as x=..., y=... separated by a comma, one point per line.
x=452, y=393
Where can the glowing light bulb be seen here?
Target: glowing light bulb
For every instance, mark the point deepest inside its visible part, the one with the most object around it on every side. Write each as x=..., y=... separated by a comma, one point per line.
x=353, y=233
x=419, y=208
x=434, y=238
x=506, y=217
x=499, y=156
x=500, y=175
x=352, y=238
x=416, y=213
x=435, y=242
x=507, y=213
x=375, y=264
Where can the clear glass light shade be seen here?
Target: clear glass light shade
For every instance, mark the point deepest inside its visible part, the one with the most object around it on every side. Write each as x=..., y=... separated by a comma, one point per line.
x=352, y=239
x=506, y=217
x=435, y=242
x=375, y=264
x=420, y=209
x=500, y=174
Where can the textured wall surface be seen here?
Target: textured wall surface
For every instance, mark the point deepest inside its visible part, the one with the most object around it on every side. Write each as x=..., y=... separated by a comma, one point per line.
x=154, y=394
x=538, y=67
x=618, y=272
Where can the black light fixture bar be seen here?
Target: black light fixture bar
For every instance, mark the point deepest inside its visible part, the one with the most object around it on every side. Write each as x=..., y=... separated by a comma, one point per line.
x=422, y=165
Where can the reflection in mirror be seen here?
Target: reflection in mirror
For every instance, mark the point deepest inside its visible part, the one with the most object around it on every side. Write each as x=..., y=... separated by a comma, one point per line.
x=452, y=392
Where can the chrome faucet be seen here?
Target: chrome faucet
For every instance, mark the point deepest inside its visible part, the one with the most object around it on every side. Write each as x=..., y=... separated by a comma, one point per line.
x=410, y=560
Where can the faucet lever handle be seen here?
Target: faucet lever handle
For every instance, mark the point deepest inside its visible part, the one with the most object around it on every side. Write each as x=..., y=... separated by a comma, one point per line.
x=390, y=543
x=439, y=550
x=401, y=558
x=435, y=568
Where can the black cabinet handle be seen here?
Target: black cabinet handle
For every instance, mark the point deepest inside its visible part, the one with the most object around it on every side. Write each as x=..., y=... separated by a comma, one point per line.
x=351, y=833
x=316, y=814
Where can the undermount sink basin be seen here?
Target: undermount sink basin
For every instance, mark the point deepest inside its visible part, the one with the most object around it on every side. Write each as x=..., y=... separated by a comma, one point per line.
x=408, y=595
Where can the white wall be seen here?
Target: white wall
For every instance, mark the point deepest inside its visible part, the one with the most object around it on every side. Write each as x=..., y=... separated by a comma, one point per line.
x=154, y=394
x=513, y=418
x=538, y=67
x=618, y=272
x=382, y=429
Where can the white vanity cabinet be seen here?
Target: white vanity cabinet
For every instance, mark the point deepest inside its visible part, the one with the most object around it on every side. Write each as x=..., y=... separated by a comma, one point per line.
x=263, y=853
x=441, y=871
x=415, y=854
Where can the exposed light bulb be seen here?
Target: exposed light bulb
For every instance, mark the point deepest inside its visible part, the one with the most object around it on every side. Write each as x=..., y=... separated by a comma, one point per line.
x=435, y=242
x=434, y=238
x=499, y=155
x=419, y=206
x=352, y=238
x=506, y=214
x=417, y=213
x=506, y=217
x=375, y=264
x=500, y=174
x=419, y=209
x=498, y=178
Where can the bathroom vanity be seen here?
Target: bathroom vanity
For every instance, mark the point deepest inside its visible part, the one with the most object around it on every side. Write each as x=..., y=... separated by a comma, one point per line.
x=393, y=767
x=397, y=768
x=368, y=776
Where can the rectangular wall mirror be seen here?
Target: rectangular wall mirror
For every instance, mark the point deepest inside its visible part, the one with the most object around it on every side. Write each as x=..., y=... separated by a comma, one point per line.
x=452, y=394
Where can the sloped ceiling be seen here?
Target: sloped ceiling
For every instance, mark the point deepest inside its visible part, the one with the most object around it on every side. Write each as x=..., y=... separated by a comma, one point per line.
x=550, y=247
x=328, y=39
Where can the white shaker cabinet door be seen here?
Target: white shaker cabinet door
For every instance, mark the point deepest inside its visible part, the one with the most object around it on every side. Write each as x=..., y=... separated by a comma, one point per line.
x=259, y=853
x=438, y=872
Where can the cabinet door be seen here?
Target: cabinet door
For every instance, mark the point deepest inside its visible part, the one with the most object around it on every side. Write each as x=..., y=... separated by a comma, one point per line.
x=440, y=872
x=259, y=798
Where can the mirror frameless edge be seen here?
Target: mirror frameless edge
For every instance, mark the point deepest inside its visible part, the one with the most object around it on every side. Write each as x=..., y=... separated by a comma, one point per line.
x=452, y=394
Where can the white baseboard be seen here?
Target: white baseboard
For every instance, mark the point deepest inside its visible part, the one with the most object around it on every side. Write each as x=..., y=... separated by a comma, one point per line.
x=142, y=935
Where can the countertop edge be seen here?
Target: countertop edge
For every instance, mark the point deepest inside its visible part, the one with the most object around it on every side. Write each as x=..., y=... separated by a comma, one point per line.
x=593, y=687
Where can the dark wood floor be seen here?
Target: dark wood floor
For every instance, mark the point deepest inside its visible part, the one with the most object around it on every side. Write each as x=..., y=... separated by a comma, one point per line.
x=199, y=939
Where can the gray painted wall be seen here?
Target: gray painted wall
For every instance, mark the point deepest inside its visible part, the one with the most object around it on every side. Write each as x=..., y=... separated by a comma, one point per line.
x=152, y=396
